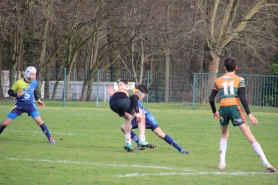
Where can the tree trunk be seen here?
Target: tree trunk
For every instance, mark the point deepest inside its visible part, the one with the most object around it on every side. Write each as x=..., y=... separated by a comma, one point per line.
x=42, y=56
x=167, y=75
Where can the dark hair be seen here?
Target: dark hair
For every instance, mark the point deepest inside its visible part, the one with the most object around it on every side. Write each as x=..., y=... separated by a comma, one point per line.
x=122, y=80
x=142, y=88
x=230, y=64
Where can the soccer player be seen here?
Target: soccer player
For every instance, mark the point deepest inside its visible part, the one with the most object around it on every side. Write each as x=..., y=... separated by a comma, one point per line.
x=150, y=122
x=232, y=91
x=25, y=92
x=124, y=102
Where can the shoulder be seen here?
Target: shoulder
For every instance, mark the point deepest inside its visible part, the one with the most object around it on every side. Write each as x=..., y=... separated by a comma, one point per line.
x=137, y=92
x=19, y=82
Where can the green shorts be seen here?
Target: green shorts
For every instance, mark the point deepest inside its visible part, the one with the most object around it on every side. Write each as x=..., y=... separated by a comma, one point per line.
x=233, y=113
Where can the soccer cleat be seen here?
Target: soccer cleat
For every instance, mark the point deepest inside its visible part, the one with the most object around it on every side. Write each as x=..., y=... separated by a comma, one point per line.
x=145, y=144
x=52, y=141
x=270, y=168
x=128, y=148
x=222, y=166
x=184, y=151
x=139, y=148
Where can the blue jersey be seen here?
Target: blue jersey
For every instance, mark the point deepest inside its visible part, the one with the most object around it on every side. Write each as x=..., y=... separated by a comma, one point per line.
x=28, y=88
x=147, y=113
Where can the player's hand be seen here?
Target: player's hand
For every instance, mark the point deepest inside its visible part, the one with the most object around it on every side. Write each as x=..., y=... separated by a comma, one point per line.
x=216, y=115
x=40, y=103
x=110, y=90
x=20, y=93
x=253, y=119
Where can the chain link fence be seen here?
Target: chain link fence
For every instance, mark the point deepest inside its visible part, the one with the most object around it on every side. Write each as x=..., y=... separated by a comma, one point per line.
x=185, y=90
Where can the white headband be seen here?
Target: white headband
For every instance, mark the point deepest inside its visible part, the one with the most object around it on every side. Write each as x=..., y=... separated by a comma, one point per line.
x=29, y=70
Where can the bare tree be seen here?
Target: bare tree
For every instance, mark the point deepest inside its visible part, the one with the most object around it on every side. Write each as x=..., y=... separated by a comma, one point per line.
x=226, y=22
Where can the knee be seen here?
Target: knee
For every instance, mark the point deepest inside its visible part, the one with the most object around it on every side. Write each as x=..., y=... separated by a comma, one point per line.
x=38, y=120
x=159, y=133
x=122, y=128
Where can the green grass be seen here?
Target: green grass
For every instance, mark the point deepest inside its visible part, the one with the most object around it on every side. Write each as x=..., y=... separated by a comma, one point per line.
x=89, y=149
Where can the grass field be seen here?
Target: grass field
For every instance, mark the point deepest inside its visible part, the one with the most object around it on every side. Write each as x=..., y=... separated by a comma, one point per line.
x=89, y=149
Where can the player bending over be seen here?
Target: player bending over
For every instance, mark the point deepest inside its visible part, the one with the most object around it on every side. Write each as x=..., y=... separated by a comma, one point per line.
x=124, y=102
x=150, y=121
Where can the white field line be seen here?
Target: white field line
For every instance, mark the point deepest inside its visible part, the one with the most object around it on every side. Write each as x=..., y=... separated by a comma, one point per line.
x=191, y=173
x=39, y=132
x=182, y=171
x=87, y=163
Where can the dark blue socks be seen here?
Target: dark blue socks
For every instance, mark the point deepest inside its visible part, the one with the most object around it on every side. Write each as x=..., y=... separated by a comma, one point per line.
x=45, y=130
x=169, y=140
x=134, y=137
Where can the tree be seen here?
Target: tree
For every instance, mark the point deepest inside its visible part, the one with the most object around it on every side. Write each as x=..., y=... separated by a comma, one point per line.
x=228, y=21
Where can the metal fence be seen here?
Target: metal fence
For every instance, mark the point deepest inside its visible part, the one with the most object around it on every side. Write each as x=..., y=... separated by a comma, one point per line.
x=188, y=90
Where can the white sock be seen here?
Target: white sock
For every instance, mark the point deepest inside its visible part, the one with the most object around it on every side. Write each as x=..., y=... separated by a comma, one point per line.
x=142, y=138
x=258, y=149
x=223, y=148
x=128, y=138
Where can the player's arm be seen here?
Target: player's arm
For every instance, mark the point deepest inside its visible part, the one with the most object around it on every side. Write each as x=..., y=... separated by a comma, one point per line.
x=138, y=114
x=242, y=97
x=110, y=90
x=12, y=93
x=212, y=104
x=211, y=100
x=38, y=99
x=135, y=99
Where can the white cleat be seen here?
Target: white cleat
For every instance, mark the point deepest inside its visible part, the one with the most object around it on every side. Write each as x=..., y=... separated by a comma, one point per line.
x=222, y=166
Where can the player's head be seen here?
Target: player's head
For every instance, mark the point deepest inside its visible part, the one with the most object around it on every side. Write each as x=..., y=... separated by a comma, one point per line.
x=230, y=64
x=122, y=83
x=31, y=73
x=143, y=89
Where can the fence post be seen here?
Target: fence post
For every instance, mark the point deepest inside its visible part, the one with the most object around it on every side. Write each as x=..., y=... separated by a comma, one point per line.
x=97, y=88
x=65, y=87
x=194, y=90
x=148, y=82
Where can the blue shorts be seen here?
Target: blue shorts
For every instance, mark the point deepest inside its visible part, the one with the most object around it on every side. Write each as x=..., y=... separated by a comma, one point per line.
x=30, y=109
x=149, y=124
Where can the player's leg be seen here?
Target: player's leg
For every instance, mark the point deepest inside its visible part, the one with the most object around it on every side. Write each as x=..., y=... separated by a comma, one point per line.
x=133, y=135
x=15, y=112
x=34, y=113
x=223, y=146
x=169, y=140
x=4, y=124
x=142, y=127
x=224, y=122
x=256, y=146
x=127, y=129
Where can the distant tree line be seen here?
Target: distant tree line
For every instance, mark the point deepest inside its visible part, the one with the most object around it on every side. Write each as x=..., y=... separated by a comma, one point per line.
x=163, y=35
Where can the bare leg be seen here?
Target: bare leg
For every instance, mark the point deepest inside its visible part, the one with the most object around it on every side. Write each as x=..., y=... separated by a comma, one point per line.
x=256, y=146
x=4, y=124
x=223, y=146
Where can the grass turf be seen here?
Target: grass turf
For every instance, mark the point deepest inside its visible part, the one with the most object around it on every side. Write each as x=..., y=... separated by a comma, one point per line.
x=89, y=149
